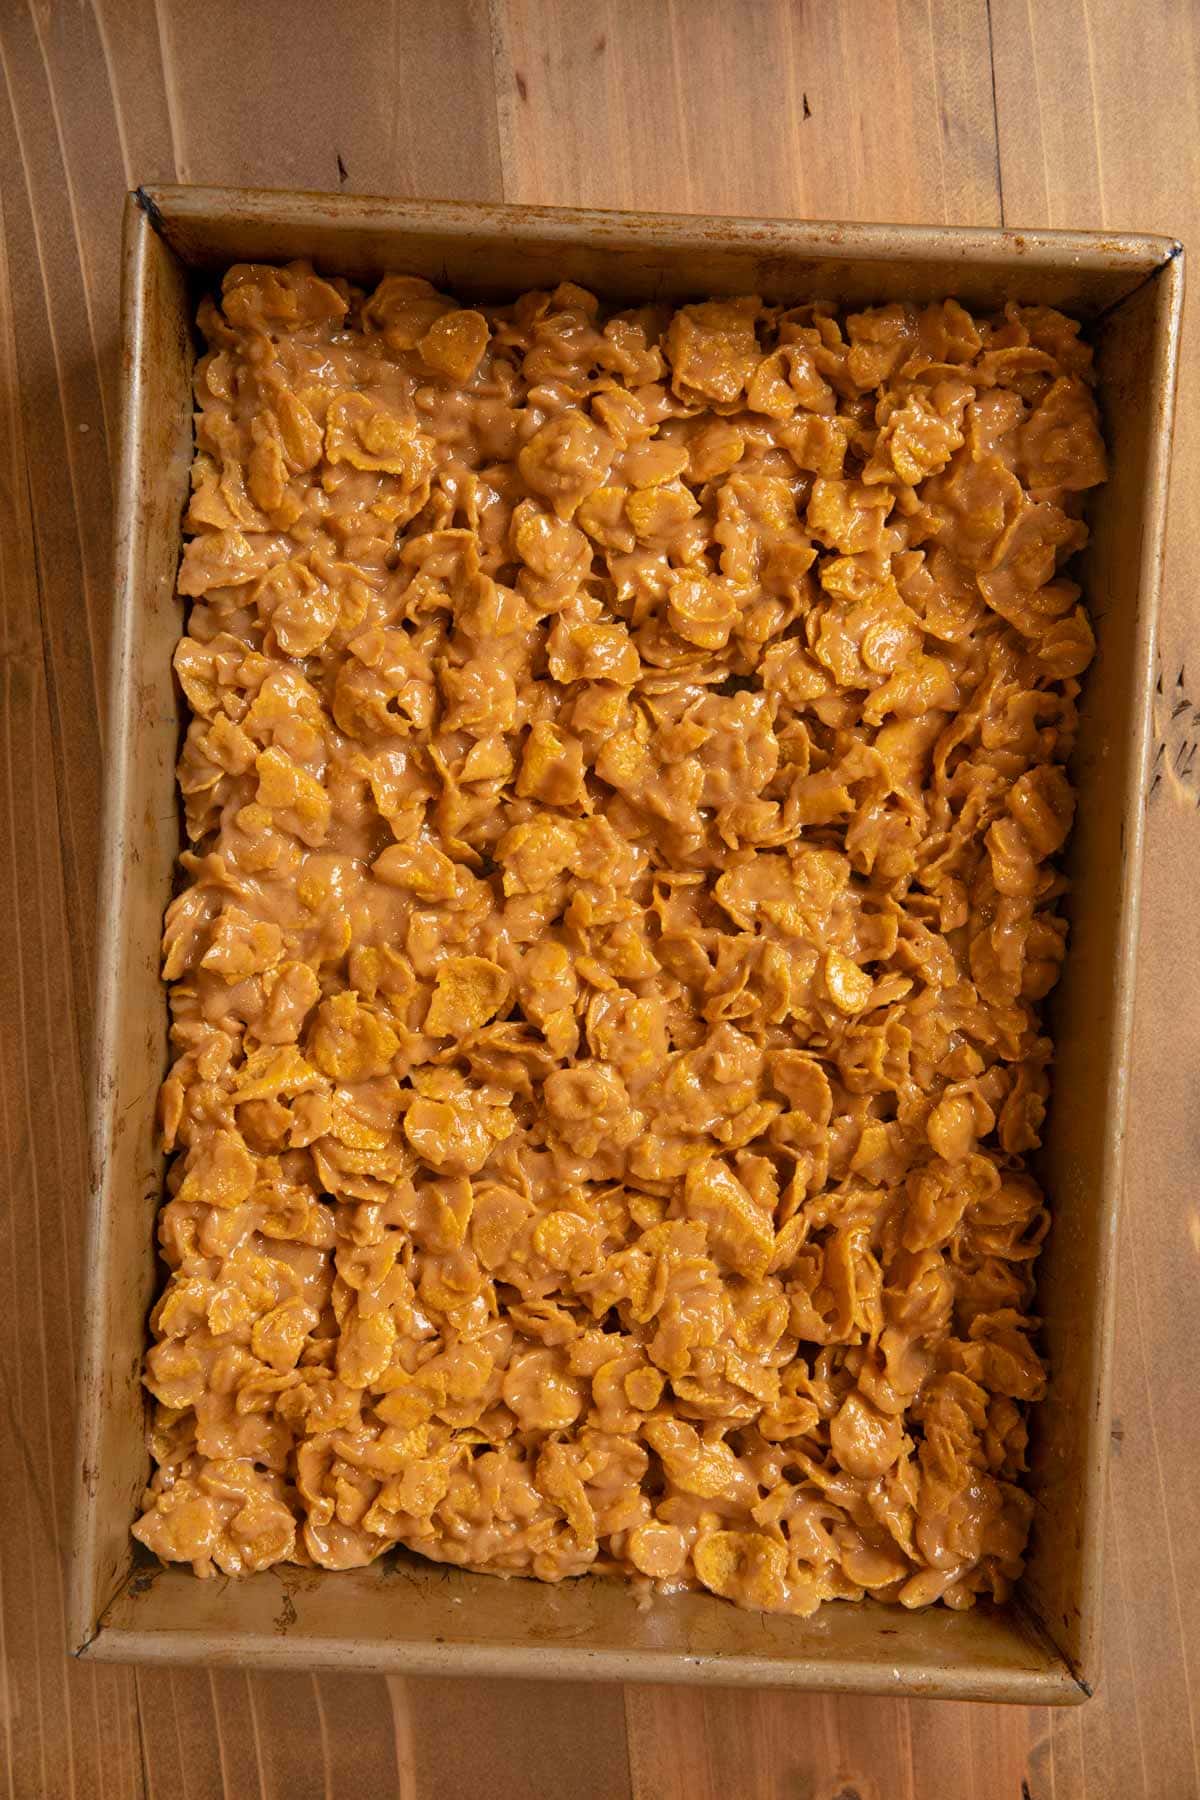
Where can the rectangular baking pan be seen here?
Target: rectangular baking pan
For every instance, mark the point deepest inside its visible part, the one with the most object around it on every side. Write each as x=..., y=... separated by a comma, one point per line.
x=404, y=1614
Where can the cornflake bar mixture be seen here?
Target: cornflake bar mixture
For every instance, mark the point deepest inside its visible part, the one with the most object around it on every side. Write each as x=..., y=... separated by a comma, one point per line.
x=625, y=765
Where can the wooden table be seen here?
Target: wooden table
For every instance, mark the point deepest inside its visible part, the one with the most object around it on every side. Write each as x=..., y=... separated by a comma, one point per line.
x=1055, y=113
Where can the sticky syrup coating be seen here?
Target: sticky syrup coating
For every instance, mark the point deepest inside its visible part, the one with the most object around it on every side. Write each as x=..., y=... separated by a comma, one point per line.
x=625, y=772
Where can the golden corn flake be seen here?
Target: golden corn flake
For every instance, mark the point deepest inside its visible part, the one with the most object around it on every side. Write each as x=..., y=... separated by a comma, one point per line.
x=713, y=350
x=848, y=986
x=454, y=1139
x=369, y=436
x=739, y=1231
x=659, y=1551
x=742, y=1565
x=292, y=795
x=454, y=344
x=468, y=991
x=349, y=1042
x=626, y=764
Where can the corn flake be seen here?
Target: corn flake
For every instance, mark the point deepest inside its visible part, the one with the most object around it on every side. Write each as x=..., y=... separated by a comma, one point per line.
x=627, y=760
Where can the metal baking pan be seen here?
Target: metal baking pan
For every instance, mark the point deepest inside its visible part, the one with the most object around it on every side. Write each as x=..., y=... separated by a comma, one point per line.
x=403, y=1614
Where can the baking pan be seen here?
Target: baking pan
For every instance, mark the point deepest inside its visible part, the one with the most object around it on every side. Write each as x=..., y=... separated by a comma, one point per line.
x=404, y=1614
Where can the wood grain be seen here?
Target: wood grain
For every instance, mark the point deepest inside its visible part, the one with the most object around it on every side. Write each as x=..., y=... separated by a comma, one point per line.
x=1118, y=154
x=657, y=96
x=66, y=1729
x=870, y=109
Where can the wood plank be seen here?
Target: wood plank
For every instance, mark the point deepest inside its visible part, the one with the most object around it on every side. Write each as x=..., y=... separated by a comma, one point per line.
x=668, y=1746
x=684, y=1743
x=871, y=109
x=403, y=104
x=66, y=474
x=1118, y=155
x=358, y=1735
x=518, y=1740
x=83, y=227
x=64, y=1729
x=234, y=1727
x=131, y=70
